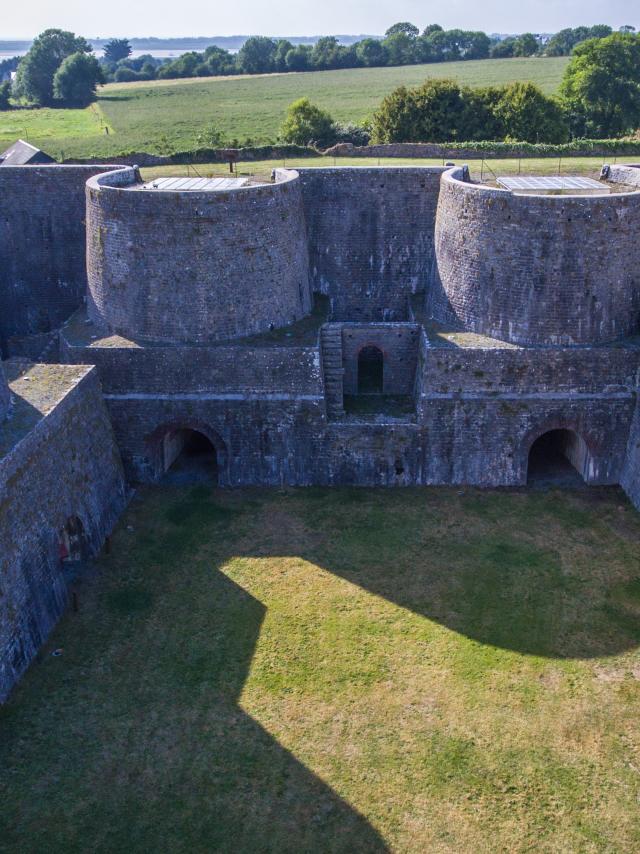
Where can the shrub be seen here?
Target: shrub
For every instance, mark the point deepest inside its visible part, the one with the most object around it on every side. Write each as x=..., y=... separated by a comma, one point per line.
x=5, y=92
x=305, y=124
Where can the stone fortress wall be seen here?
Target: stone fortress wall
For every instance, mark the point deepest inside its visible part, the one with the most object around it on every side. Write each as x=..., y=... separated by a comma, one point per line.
x=195, y=267
x=370, y=237
x=42, y=246
x=60, y=473
x=537, y=269
x=5, y=396
x=243, y=315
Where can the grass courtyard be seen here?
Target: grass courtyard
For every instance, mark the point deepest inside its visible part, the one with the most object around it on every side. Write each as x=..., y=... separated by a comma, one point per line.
x=340, y=670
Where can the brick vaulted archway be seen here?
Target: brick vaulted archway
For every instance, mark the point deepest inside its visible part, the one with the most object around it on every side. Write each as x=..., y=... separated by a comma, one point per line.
x=189, y=450
x=558, y=455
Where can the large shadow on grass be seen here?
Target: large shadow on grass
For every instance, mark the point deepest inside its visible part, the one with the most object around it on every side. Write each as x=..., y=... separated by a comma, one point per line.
x=245, y=791
x=503, y=583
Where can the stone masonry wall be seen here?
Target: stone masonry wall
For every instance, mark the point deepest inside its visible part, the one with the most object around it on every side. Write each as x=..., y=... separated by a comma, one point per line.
x=537, y=269
x=196, y=266
x=630, y=479
x=5, y=396
x=66, y=466
x=399, y=345
x=42, y=246
x=370, y=237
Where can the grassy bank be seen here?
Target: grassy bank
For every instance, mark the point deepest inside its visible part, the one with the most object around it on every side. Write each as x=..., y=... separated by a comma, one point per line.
x=340, y=670
x=162, y=116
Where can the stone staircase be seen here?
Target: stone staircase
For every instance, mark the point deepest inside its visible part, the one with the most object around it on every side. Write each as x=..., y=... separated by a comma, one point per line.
x=331, y=349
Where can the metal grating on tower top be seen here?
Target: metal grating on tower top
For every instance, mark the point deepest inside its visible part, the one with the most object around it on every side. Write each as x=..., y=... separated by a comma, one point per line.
x=551, y=183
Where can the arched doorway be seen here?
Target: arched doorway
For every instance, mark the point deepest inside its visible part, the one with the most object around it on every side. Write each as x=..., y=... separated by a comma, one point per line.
x=188, y=456
x=370, y=370
x=558, y=457
x=72, y=542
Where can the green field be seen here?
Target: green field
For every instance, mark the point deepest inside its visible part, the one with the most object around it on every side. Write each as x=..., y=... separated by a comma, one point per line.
x=433, y=670
x=164, y=116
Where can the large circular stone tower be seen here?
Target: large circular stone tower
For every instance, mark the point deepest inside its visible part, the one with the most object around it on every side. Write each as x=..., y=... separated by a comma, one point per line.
x=4, y=395
x=535, y=269
x=188, y=261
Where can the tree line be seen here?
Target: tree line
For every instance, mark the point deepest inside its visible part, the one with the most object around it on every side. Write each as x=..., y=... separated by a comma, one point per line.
x=403, y=44
x=61, y=70
x=599, y=98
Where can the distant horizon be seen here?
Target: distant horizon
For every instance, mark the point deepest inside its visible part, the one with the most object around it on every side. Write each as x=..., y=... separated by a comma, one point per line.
x=249, y=17
x=275, y=37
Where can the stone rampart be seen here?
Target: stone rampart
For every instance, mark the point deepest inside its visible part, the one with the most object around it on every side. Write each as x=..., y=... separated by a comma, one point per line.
x=543, y=270
x=5, y=395
x=370, y=237
x=195, y=267
x=42, y=246
x=58, y=467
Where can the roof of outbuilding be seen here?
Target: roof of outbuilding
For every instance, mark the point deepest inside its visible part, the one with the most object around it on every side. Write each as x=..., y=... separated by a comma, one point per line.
x=22, y=153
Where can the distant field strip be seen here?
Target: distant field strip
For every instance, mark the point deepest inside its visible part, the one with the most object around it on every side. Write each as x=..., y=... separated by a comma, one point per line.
x=163, y=116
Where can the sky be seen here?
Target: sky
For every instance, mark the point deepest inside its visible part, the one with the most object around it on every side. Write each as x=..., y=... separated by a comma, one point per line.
x=166, y=18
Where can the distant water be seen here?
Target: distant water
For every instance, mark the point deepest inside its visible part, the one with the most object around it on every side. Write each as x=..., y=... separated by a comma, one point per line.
x=160, y=54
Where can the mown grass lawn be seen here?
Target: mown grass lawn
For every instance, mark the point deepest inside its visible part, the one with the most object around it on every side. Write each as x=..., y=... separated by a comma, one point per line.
x=485, y=170
x=163, y=116
x=340, y=670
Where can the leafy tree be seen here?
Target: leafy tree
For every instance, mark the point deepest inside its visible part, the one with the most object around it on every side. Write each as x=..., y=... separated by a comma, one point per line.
x=5, y=93
x=405, y=28
x=442, y=111
x=433, y=112
x=34, y=79
x=306, y=123
x=477, y=45
x=563, y=42
x=299, y=58
x=184, y=66
x=280, y=55
x=400, y=49
x=504, y=48
x=526, y=45
x=117, y=49
x=480, y=120
x=528, y=115
x=432, y=28
x=326, y=53
x=219, y=61
x=372, y=53
x=601, y=86
x=75, y=81
x=256, y=55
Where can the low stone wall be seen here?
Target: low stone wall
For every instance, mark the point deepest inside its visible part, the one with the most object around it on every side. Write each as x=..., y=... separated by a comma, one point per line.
x=66, y=467
x=435, y=150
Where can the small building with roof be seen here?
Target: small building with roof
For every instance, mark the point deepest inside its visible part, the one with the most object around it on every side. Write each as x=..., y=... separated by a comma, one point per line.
x=22, y=153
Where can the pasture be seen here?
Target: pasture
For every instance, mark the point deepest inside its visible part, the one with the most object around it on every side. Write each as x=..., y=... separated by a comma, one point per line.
x=339, y=670
x=165, y=116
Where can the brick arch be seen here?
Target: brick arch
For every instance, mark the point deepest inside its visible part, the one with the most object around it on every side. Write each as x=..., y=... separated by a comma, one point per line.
x=381, y=367
x=583, y=453
x=154, y=443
